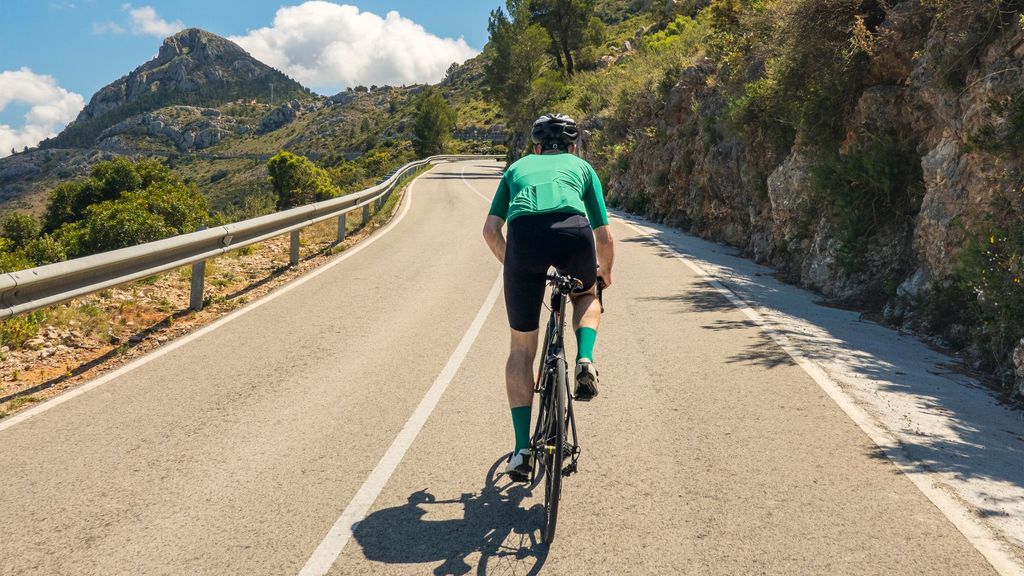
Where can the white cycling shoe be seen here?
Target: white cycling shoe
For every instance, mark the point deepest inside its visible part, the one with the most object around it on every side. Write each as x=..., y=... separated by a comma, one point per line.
x=586, y=381
x=520, y=465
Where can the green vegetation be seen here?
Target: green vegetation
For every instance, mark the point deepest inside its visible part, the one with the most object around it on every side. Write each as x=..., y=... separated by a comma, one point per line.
x=435, y=119
x=15, y=332
x=987, y=292
x=876, y=185
x=297, y=181
x=121, y=204
x=573, y=29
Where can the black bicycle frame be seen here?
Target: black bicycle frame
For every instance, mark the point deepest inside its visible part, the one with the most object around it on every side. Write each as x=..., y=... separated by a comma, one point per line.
x=555, y=349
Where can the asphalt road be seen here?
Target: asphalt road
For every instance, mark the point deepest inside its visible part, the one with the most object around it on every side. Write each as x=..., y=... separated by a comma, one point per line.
x=708, y=451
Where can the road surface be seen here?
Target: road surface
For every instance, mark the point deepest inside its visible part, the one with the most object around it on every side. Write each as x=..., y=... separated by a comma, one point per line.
x=352, y=424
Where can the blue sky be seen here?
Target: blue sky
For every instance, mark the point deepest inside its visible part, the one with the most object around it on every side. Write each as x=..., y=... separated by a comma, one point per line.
x=74, y=47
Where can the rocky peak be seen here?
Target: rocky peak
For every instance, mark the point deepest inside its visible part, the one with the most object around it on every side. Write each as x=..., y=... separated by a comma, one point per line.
x=199, y=45
x=193, y=67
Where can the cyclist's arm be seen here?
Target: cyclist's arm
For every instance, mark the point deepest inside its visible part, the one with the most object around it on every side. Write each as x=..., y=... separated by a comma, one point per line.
x=605, y=253
x=494, y=237
x=496, y=219
x=593, y=199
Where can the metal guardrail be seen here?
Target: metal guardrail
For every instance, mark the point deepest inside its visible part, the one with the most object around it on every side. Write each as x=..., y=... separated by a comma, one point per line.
x=34, y=288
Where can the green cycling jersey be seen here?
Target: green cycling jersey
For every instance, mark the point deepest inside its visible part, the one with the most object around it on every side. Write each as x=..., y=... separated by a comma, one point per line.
x=546, y=183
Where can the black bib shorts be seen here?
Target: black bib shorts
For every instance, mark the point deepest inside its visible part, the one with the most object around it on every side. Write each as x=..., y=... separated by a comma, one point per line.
x=535, y=243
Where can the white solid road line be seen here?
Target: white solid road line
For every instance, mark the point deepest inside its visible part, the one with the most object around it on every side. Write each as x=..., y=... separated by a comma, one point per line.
x=341, y=532
x=74, y=393
x=976, y=533
x=473, y=188
x=331, y=546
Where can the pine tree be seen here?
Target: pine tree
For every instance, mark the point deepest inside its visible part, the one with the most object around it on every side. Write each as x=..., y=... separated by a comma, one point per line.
x=435, y=119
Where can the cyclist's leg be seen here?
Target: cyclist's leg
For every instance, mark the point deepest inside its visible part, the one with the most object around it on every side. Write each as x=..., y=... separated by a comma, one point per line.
x=519, y=384
x=524, y=277
x=578, y=258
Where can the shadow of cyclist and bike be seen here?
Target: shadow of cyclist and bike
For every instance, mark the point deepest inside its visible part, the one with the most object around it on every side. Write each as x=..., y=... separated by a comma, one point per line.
x=495, y=525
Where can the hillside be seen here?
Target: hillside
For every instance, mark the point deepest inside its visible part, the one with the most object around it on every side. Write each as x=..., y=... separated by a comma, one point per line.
x=868, y=150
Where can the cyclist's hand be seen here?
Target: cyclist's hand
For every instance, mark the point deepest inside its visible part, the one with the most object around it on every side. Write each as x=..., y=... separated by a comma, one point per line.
x=604, y=278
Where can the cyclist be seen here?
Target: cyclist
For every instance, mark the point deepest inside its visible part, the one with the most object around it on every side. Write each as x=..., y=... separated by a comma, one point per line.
x=554, y=206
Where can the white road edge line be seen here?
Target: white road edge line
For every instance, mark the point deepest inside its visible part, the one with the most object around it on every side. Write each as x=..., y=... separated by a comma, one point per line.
x=976, y=533
x=331, y=546
x=473, y=188
x=78, y=391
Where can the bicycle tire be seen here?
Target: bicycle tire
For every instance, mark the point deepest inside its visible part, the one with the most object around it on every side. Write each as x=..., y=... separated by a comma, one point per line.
x=554, y=450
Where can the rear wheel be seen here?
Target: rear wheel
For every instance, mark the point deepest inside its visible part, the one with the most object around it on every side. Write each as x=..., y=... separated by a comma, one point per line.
x=554, y=442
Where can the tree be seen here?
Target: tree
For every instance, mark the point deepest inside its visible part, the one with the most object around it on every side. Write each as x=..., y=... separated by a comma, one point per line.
x=297, y=181
x=570, y=25
x=515, y=57
x=435, y=119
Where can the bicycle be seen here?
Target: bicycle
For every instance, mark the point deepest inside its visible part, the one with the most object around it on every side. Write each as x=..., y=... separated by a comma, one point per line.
x=555, y=416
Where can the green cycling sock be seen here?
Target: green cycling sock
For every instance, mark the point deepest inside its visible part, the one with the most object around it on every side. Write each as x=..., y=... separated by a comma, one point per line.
x=521, y=424
x=585, y=340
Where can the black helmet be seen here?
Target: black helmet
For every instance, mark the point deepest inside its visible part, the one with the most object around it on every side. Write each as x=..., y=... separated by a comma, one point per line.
x=555, y=129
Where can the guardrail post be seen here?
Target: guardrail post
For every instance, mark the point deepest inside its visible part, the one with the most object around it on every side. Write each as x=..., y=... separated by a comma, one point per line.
x=341, y=229
x=366, y=214
x=195, y=299
x=294, y=256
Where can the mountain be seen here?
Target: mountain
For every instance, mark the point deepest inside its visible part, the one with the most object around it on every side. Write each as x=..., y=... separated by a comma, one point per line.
x=193, y=67
x=206, y=108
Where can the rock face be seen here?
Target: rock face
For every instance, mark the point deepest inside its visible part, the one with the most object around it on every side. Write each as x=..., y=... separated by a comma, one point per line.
x=686, y=169
x=280, y=116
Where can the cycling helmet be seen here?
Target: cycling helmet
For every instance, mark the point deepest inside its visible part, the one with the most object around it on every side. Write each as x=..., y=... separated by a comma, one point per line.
x=555, y=130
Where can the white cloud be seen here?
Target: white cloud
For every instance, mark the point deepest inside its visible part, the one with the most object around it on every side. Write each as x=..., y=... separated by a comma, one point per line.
x=51, y=108
x=329, y=46
x=143, y=21
x=146, y=21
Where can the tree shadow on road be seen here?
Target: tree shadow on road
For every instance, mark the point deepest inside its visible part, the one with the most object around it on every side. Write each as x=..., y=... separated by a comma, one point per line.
x=494, y=525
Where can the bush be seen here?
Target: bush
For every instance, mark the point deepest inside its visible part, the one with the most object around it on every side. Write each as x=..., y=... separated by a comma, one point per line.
x=138, y=217
x=297, y=181
x=877, y=185
x=811, y=77
x=108, y=181
x=14, y=332
x=991, y=275
x=10, y=259
x=19, y=228
x=45, y=250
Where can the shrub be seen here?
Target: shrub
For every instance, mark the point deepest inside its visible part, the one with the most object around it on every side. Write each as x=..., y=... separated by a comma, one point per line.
x=991, y=274
x=14, y=332
x=19, y=228
x=297, y=181
x=876, y=185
